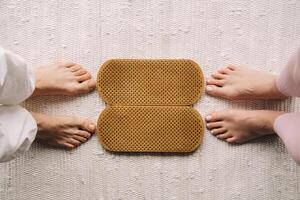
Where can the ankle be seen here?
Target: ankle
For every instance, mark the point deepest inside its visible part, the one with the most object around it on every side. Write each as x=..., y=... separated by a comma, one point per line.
x=41, y=120
x=267, y=120
x=38, y=81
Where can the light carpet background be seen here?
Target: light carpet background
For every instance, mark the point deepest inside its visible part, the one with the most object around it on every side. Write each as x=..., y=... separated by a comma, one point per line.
x=260, y=34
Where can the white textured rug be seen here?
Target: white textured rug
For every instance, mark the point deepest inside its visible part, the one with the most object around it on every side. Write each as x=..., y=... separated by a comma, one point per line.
x=260, y=34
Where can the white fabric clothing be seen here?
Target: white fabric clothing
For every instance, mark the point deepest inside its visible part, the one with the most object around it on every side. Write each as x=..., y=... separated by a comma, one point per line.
x=17, y=127
x=16, y=79
x=17, y=131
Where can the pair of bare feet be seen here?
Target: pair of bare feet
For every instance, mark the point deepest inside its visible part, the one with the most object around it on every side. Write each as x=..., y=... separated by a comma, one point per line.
x=64, y=78
x=239, y=83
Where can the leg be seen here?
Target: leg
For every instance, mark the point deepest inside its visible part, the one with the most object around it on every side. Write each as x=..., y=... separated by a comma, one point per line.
x=239, y=126
x=288, y=82
x=18, y=82
x=243, y=83
x=236, y=83
x=17, y=131
x=287, y=127
x=17, y=135
x=16, y=79
x=62, y=78
x=68, y=132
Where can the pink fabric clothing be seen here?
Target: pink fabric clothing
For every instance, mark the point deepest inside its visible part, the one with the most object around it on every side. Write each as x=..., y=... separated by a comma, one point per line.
x=288, y=81
x=287, y=126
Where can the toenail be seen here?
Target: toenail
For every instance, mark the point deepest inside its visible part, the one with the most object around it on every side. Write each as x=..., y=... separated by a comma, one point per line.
x=208, y=117
x=209, y=88
x=92, y=127
x=91, y=84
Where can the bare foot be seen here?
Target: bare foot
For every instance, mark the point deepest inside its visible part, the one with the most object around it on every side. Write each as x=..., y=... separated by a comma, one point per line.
x=236, y=83
x=239, y=126
x=63, y=78
x=68, y=132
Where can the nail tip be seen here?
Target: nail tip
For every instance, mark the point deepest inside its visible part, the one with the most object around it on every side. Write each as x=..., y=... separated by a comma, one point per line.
x=209, y=88
x=208, y=117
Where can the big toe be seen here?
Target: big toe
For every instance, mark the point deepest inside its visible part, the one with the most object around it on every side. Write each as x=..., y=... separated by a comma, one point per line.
x=86, y=86
x=216, y=91
x=91, y=84
x=87, y=125
x=216, y=117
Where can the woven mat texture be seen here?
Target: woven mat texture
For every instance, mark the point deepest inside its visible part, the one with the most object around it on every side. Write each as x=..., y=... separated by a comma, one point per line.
x=260, y=34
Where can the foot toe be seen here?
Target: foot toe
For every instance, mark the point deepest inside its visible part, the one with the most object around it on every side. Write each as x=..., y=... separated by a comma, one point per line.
x=73, y=141
x=69, y=145
x=66, y=64
x=84, y=134
x=231, y=140
x=84, y=77
x=80, y=72
x=232, y=67
x=87, y=125
x=223, y=136
x=87, y=86
x=80, y=138
x=213, y=125
x=91, y=84
x=214, y=90
x=75, y=68
x=218, y=75
x=63, y=143
x=224, y=70
x=218, y=131
x=217, y=82
x=215, y=116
